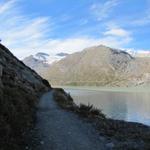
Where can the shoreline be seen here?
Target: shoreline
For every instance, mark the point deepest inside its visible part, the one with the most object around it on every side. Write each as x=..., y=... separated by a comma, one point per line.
x=122, y=134
x=107, y=89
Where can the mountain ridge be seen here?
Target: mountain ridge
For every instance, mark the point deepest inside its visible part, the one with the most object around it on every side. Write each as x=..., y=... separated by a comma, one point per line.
x=40, y=62
x=99, y=66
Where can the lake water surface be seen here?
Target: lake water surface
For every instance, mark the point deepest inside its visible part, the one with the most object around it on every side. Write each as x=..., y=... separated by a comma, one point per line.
x=130, y=106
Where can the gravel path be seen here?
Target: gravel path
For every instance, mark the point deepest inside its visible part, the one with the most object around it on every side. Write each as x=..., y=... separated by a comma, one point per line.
x=57, y=129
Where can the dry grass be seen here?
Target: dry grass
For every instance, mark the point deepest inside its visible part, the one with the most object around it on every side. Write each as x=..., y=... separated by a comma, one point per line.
x=17, y=109
x=65, y=101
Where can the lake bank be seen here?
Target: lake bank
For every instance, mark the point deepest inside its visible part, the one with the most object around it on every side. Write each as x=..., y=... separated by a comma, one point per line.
x=121, y=134
x=111, y=89
x=122, y=104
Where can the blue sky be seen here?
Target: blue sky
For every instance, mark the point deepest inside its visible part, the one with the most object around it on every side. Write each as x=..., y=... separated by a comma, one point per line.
x=30, y=26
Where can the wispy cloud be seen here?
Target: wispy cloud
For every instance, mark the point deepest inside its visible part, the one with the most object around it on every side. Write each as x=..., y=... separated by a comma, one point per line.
x=19, y=31
x=120, y=32
x=6, y=6
x=144, y=18
x=71, y=45
x=120, y=36
x=103, y=10
x=26, y=35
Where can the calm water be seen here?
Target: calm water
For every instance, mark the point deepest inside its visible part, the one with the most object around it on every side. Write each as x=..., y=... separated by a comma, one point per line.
x=129, y=106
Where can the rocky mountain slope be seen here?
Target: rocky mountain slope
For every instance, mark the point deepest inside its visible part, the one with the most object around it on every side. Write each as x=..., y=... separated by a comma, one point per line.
x=19, y=90
x=100, y=66
x=40, y=66
x=40, y=62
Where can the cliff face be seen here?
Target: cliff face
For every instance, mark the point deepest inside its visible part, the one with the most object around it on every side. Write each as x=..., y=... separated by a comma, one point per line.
x=19, y=90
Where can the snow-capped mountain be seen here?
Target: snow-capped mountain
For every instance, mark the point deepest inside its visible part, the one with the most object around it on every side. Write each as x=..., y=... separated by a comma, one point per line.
x=100, y=66
x=56, y=57
x=45, y=58
x=40, y=62
x=42, y=56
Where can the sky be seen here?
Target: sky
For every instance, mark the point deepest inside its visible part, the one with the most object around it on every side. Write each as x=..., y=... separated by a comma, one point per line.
x=53, y=26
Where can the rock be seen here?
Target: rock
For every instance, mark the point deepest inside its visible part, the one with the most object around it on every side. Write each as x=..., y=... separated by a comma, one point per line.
x=1, y=71
x=110, y=145
x=102, y=139
x=42, y=142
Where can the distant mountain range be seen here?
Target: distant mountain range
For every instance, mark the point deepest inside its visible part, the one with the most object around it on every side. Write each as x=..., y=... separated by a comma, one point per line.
x=40, y=62
x=99, y=66
x=62, y=54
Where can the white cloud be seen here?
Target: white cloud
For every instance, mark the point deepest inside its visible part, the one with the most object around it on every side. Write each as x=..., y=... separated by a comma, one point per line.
x=119, y=36
x=102, y=10
x=21, y=33
x=6, y=6
x=72, y=45
x=25, y=35
x=69, y=45
x=117, y=32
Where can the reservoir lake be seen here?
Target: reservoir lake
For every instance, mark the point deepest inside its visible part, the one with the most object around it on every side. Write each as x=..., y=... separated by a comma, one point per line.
x=133, y=106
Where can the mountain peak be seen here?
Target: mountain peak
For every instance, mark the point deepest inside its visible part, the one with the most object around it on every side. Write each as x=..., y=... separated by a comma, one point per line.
x=98, y=65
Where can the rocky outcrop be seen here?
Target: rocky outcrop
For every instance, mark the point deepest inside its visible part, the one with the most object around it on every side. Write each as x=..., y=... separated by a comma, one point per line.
x=20, y=88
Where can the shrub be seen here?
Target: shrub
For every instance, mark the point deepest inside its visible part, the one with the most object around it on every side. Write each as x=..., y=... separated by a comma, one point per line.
x=66, y=101
x=90, y=110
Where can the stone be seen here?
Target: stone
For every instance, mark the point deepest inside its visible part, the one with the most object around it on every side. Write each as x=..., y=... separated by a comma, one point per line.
x=1, y=71
x=110, y=145
x=41, y=142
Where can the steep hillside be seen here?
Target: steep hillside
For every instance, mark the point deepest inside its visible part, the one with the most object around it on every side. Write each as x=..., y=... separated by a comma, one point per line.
x=100, y=66
x=19, y=90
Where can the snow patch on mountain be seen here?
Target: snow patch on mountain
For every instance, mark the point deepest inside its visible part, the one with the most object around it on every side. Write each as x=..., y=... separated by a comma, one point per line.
x=49, y=58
